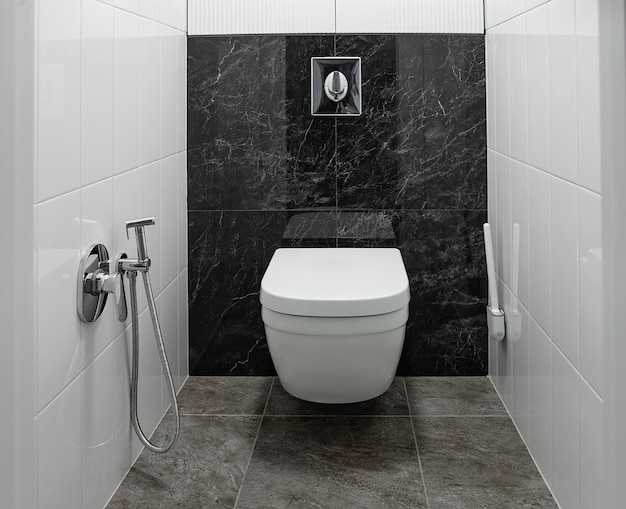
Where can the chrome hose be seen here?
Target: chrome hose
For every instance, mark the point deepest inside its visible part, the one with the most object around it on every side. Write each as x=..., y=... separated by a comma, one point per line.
x=132, y=276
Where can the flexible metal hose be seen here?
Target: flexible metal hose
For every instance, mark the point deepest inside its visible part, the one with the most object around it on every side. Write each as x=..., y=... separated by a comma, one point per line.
x=132, y=276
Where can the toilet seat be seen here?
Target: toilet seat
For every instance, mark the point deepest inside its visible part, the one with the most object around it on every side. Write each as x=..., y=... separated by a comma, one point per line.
x=335, y=282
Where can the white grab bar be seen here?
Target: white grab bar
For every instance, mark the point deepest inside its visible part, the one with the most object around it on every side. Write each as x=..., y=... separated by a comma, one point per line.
x=495, y=315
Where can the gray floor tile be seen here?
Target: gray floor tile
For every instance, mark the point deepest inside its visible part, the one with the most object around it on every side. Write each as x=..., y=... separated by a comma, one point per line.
x=392, y=402
x=462, y=395
x=204, y=469
x=478, y=462
x=334, y=463
x=224, y=395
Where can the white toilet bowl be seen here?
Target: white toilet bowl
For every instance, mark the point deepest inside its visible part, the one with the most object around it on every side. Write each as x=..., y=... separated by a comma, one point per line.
x=335, y=320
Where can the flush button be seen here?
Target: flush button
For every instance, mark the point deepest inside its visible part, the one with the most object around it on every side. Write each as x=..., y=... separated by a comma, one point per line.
x=336, y=86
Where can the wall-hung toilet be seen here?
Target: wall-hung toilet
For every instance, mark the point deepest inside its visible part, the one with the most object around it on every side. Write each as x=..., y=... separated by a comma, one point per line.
x=335, y=320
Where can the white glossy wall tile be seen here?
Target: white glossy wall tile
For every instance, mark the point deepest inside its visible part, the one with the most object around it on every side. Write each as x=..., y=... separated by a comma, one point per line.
x=562, y=89
x=588, y=93
x=58, y=98
x=260, y=17
x=540, y=409
x=565, y=431
x=58, y=331
x=59, y=458
x=537, y=88
x=112, y=146
x=409, y=16
x=97, y=68
x=590, y=284
x=126, y=92
x=591, y=446
x=328, y=16
x=539, y=237
x=564, y=267
x=548, y=129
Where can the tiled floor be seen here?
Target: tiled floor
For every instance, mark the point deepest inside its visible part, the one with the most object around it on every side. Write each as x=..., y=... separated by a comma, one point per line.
x=245, y=443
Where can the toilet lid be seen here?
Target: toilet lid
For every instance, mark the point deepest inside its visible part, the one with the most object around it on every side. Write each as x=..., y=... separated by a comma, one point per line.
x=335, y=282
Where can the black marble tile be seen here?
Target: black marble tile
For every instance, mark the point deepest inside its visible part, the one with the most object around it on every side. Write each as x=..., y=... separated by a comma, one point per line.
x=478, y=462
x=228, y=255
x=252, y=143
x=446, y=331
x=421, y=140
x=204, y=469
x=334, y=462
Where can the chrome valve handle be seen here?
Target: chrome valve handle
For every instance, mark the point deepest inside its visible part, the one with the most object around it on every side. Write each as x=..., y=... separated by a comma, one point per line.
x=97, y=278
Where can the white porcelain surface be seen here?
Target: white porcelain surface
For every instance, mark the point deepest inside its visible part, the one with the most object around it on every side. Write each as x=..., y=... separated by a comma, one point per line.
x=562, y=86
x=540, y=409
x=591, y=447
x=314, y=368
x=335, y=282
x=591, y=298
x=96, y=146
x=126, y=92
x=539, y=242
x=58, y=100
x=169, y=220
x=398, y=16
x=149, y=91
x=564, y=268
x=169, y=91
x=58, y=330
x=537, y=88
x=59, y=439
x=565, y=431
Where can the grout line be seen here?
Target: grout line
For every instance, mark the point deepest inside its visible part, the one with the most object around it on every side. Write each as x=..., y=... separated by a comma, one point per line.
x=419, y=460
x=317, y=416
x=258, y=431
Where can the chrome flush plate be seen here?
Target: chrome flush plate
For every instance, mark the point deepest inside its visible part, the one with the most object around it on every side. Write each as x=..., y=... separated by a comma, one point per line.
x=336, y=86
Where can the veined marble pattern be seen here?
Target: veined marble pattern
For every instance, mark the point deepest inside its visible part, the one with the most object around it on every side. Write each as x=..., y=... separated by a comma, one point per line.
x=425, y=443
x=409, y=173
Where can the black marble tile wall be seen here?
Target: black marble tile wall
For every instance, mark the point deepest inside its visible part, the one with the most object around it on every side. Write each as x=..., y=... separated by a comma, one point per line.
x=410, y=172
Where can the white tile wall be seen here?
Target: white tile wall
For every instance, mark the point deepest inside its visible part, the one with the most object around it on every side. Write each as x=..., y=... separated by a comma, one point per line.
x=111, y=146
x=328, y=16
x=543, y=109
